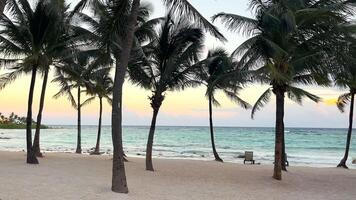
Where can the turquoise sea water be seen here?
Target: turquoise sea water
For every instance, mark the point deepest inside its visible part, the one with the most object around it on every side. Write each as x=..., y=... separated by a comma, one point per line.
x=304, y=146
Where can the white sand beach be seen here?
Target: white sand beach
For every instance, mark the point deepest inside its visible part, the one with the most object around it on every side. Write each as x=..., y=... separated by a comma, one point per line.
x=70, y=176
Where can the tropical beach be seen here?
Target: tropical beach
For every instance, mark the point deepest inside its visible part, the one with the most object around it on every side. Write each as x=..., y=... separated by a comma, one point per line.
x=177, y=99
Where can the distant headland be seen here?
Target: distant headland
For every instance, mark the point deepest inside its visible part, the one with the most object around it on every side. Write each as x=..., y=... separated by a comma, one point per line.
x=14, y=121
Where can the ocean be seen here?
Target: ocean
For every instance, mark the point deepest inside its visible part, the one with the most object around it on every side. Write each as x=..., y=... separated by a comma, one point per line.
x=318, y=147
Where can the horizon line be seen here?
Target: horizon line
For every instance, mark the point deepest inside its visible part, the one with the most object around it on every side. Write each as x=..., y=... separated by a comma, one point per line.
x=140, y=125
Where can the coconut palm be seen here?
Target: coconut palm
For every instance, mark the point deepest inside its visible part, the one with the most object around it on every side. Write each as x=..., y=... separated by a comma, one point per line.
x=343, y=99
x=101, y=87
x=56, y=46
x=218, y=72
x=60, y=47
x=104, y=35
x=108, y=35
x=345, y=78
x=291, y=44
x=74, y=74
x=168, y=66
x=25, y=40
x=179, y=7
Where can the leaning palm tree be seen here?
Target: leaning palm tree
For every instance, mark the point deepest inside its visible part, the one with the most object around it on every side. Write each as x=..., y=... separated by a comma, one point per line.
x=343, y=99
x=218, y=72
x=25, y=38
x=291, y=44
x=100, y=86
x=345, y=78
x=168, y=65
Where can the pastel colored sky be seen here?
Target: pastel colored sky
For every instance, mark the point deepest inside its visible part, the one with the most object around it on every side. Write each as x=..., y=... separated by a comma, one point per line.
x=189, y=107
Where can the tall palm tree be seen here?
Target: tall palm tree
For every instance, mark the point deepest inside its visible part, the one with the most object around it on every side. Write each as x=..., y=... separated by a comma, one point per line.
x=108, y=36
x=179, y=7
x=25, y=38
x=291, y=44
x=60, y=47
x=219, y=72
x=169, y=65
x=345, y=78
x=342, y=101
x=74, y=75
x=119, y=183
x=101, y=87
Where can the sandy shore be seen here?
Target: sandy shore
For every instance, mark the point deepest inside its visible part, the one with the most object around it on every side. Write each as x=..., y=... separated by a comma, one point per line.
x=70, y=176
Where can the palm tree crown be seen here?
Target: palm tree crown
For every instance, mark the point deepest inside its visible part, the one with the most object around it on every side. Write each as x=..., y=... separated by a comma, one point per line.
x=292, y=43
x=219, y=72
x=168, y=64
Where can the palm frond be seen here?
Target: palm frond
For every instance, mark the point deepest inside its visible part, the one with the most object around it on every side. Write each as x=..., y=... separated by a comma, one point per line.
x=87, y=101
x=261, y=101
x=182, y=8
x=235, y=98
x=238, y=23
x=8, y=78
x=342, y=101
x=297, y=95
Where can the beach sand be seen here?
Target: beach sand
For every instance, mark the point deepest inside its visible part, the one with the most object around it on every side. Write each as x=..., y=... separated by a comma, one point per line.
x=70, y=176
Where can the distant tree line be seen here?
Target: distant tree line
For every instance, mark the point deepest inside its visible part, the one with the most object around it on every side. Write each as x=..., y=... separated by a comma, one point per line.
x=14, y=121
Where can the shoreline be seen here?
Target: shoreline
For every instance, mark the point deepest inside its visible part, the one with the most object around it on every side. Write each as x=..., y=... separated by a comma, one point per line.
x=73, y=176
x=239, y=161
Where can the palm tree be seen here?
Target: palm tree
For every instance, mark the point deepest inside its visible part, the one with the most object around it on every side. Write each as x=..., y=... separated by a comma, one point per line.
x=218, y=72
x=342, y=100
x=101, y=87
x=291, y=45
x=74, y=75
x=60, y=47
x=107, y=36
x=181, y=8
x=169, y=66
x=345, y=78
x=119, y=183
x=25, y=38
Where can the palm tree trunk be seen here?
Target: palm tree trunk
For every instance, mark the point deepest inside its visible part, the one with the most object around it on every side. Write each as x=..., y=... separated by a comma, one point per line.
x=97, y=146
x=284, y=167
x=31, y=157
x=149, y=165
x=156, y=102
x=36, y=141
x=349, y=133
x=216, y=155
x=79, y=137
x=279, y=133
x=119, y=183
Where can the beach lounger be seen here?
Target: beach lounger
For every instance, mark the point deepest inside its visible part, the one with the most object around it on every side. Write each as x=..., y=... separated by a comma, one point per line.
x=249, y=157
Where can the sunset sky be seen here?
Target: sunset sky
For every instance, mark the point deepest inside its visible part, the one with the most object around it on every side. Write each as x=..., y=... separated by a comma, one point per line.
x=189, y=107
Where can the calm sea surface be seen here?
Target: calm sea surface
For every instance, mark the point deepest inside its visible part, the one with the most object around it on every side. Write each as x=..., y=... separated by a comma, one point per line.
x=304, y=146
